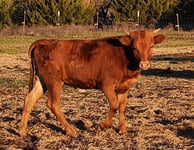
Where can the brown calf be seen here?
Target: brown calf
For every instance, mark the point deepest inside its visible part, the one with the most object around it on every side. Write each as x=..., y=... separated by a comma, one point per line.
x=109, y=64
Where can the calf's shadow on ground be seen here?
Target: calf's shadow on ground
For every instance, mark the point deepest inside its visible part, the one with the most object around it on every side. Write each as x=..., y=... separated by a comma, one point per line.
x=185, y=131
x=170, y=72
x=186, y=74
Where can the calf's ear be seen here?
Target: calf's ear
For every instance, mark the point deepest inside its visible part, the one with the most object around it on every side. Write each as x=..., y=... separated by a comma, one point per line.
x=159, y=38
x=125, y=40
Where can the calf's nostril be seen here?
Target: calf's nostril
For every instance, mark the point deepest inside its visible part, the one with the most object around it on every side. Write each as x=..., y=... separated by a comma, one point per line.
x=144, y=65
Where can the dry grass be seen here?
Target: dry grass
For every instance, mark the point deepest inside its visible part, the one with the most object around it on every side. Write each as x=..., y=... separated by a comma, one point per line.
x=160, y=112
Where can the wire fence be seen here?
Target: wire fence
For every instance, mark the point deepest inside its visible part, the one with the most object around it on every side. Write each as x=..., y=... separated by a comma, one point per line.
x=185, y=23
x=76, y=31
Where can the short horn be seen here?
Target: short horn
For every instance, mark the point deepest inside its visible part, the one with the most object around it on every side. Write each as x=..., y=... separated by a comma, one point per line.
x=156, y=31
x=126, y=32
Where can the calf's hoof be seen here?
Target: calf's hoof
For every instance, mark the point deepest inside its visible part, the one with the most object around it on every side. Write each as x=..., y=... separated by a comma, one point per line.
x=71, y=131
x=104, y=125
x=122, y=130
x=22, y=133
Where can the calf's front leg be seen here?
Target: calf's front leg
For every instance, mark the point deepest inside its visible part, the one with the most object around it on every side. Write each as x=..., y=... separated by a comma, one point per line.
x=122, y=98
x=114, y=105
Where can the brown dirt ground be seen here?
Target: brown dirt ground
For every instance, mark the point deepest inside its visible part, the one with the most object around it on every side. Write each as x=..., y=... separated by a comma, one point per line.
x=160, y=112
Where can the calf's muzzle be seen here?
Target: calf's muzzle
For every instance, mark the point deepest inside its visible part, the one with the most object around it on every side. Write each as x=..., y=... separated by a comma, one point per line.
x=144, y=65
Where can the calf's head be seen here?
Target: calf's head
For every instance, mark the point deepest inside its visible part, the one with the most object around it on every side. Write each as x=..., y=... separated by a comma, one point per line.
x=141, y=42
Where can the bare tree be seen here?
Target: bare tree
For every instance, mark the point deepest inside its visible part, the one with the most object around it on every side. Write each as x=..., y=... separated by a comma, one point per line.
x=102, y=12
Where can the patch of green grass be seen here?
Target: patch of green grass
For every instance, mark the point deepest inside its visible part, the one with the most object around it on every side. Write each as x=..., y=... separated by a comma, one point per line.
x=20, y=44
x=15, y=44
x=12, y=82
x=175, y=39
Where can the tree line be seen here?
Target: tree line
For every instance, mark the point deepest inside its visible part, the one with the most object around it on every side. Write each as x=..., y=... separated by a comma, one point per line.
x=82, y=12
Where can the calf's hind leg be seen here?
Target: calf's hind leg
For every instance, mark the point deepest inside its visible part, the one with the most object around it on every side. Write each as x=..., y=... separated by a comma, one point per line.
x=32, y=97
x=53, y=103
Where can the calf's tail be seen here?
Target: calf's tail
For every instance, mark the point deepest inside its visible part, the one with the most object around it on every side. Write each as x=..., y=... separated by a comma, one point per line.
x=34, y=71
x=32, y=68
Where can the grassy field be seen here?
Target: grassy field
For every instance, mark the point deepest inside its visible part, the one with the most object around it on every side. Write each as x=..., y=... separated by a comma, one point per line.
x=160, y=111
x=20, y=44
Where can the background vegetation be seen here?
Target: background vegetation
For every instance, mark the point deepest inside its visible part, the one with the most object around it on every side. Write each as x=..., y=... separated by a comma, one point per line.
x=82, y=12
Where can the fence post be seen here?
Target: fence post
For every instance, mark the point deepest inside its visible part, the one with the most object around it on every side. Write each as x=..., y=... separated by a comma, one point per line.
x=24, y=23
x=177, y=20
x=138, y=20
